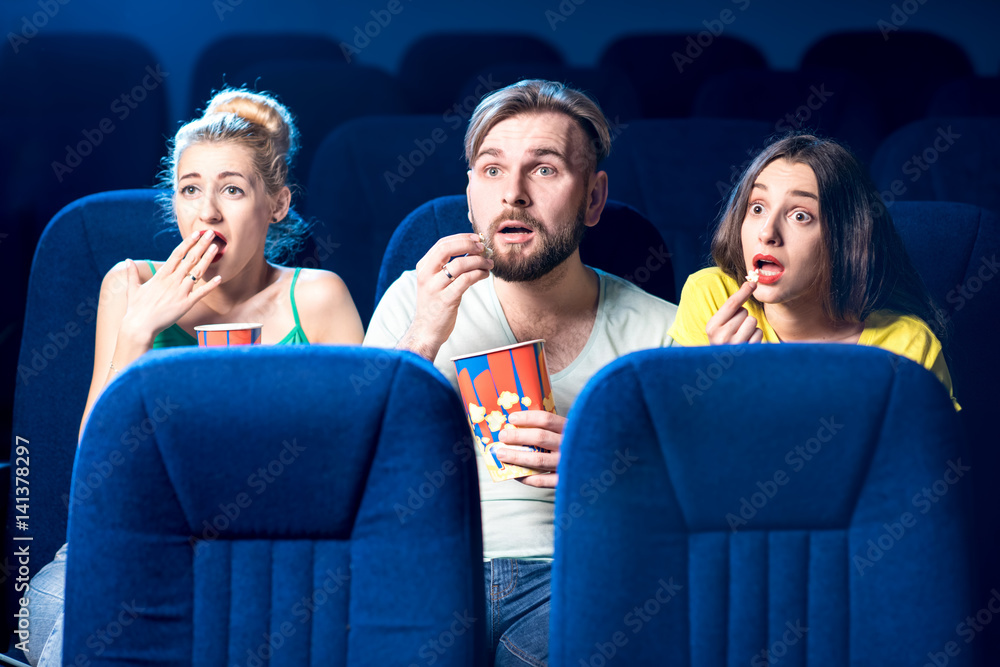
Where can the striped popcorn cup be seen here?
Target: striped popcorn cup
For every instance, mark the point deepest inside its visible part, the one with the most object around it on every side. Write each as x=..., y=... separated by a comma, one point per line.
x=223, y=335
x=496, y=383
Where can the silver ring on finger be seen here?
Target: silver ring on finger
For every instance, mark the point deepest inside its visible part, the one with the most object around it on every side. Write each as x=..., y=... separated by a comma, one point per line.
x=193, y=277
x=444, y=267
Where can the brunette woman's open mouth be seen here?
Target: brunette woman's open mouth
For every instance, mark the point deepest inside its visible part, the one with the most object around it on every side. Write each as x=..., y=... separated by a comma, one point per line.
x=769, y=269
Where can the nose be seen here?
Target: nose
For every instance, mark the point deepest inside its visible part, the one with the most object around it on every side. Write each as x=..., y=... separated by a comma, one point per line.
x=209, y=210
x=768, y=234
x=516, y=194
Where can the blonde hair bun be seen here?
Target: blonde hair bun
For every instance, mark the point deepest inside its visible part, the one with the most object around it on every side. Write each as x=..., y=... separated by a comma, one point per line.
x=262, y=110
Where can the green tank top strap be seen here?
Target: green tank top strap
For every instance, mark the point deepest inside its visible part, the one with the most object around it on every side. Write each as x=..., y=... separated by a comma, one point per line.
x=291, y=297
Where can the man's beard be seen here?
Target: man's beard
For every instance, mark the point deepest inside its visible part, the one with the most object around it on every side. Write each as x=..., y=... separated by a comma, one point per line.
x=515, y=266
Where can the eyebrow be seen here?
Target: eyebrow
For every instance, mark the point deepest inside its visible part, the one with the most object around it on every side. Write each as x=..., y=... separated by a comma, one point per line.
x=538, y=152
x=224, y=174
x=797, y=193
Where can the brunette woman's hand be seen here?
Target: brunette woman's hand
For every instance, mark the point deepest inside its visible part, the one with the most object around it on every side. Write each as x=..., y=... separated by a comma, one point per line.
x=732, y=323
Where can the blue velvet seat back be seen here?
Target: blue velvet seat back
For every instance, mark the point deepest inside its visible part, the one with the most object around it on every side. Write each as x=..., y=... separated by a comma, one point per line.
x=904, y=68
x=678, y=173
x=666, y=69
x=734, y=505
x=615, y=93
x=623, y=243
x=318, y=505
x=943, y=159
x=322, y=95
x=831, y=103
x=366, y=177
x=435, y=67
x=970, y=96
x=56, y=361
x=218, y=62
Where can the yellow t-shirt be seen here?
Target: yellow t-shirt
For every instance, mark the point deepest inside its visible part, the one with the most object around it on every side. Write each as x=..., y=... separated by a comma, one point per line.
x=705, y=291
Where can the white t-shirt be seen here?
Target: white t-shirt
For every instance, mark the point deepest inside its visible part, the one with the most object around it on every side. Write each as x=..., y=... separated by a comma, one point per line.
x=518, y=520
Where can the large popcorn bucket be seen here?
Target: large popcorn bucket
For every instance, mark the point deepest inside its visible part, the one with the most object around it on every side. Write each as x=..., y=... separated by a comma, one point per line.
x=224, y=335
x=496, y=383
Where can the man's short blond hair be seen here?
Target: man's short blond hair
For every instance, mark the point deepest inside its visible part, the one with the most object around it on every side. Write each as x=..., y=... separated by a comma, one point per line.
x=539, y=96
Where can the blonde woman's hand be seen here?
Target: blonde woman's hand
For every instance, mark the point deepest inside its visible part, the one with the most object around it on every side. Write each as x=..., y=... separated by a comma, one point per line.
x=171, y=292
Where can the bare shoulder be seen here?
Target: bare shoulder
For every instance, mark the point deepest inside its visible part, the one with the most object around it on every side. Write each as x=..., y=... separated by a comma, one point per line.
x=326, y=309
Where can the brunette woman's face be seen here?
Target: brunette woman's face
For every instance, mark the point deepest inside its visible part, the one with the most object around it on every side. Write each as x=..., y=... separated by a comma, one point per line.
x=782, y=234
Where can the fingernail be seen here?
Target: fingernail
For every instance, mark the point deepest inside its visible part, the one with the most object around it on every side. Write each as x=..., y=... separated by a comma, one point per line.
x=514, y=417
x=475, y=237
x=480, y=246
x=193, y=236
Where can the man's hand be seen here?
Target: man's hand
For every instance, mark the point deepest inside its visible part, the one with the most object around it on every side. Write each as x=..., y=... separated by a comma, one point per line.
x=441, y=282
x=540, y=429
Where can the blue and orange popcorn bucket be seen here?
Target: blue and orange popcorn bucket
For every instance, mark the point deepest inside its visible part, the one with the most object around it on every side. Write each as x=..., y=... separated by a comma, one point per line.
x=224, y=335
x=496, y=383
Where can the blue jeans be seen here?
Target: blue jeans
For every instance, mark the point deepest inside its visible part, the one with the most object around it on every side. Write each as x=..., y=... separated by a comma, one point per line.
x=517, y=611
x=46, y=601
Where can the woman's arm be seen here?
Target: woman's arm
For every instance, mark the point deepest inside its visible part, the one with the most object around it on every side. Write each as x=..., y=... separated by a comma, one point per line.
x=131, y=312
x=326, y=310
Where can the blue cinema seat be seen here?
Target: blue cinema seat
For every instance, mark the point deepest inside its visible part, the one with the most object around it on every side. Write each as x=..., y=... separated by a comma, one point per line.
x=903, y=68
x=322, y=95
x=678, y=172
x=668, y=68
x=219, y=62
x=944, y=159
x=435, y=66
x=56, y=361
x=773, y=504
x=956, y=250
x=832, y=103
x=624, y=243
x=615, y=93
x=282, y=505
x=367, y=176
x=971, y=96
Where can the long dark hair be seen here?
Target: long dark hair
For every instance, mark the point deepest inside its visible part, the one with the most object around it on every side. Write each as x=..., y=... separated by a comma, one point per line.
x=865, y=264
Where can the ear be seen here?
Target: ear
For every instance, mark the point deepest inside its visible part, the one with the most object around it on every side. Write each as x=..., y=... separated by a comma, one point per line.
x=282, y=201
x=596, y=198
x=468, y=200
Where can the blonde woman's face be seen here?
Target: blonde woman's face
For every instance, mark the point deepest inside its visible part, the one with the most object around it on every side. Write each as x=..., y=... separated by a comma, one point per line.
x=782, y=234
x=218, y=189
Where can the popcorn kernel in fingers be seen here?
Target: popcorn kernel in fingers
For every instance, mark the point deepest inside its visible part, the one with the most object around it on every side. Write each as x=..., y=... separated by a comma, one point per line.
x=487, y=250
x=753, y=276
